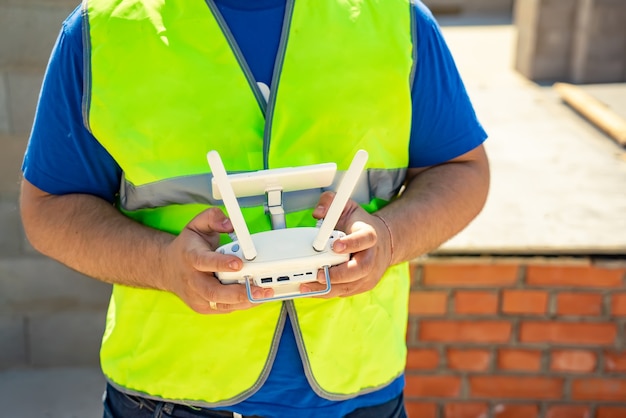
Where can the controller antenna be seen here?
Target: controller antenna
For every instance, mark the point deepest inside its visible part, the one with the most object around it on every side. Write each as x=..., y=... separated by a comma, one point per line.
x=344, y=191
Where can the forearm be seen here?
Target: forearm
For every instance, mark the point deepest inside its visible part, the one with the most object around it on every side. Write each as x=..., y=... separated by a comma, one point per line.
x=89, y=235
x=437, y=204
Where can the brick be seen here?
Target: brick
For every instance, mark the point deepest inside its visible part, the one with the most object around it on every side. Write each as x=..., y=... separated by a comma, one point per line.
x=515, y=411
x=611, y=412
x=476, y=302
x=518, y=387
x=575, y=276
x=567, y=411
x=580, y=361
x=588, y=304
x=520, y=360
x=422, y=359
x=615, y=361
x=465, y=410
x=469, y=275
x=524, y=302
x=12, y=341
x=599, y=389
x=428, y=303
x=433, y=386
x=66, y=339
x=465, y=331
x=601, y=333
x=421, y=409
x=618, y=304
x=469, y=360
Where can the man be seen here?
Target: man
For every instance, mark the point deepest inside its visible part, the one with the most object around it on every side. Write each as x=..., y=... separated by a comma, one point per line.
x=116, y=186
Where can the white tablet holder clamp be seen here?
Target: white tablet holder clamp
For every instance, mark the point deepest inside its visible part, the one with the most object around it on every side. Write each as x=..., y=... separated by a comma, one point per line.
x=282, y=258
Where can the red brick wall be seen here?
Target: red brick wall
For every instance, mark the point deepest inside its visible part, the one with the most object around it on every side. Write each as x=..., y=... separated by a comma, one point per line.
x=517, y=338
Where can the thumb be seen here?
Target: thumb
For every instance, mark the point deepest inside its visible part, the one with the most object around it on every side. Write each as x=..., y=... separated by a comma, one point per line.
x=323, y=204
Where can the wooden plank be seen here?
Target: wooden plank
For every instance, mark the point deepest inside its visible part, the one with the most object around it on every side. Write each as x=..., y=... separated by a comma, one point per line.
x=594, y=111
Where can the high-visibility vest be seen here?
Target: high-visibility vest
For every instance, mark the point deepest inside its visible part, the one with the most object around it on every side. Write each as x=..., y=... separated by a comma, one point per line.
x=165, y=84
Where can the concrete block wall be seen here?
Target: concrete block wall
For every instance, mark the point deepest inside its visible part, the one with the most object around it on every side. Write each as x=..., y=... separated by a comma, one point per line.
x=580, y=41
x=49, y=315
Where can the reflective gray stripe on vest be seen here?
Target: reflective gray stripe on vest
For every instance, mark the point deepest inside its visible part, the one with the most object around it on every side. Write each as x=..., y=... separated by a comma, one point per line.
x=382, y=184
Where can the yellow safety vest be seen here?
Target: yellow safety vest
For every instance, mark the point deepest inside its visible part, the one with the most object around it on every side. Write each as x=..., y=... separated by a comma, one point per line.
x=165, y=85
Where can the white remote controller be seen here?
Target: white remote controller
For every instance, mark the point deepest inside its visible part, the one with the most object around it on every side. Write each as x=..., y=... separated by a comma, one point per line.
x=283, y=259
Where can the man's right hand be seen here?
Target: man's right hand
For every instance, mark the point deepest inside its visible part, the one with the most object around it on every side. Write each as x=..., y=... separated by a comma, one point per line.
x=189, y=263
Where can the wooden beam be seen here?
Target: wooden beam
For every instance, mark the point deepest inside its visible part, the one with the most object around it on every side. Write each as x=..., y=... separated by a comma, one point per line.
x=594, y=111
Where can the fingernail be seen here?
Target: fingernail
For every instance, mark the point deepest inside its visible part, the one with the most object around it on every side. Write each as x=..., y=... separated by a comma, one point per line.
x=234, y=265
x=257, y=294
x=305, y=289
x=339, y=246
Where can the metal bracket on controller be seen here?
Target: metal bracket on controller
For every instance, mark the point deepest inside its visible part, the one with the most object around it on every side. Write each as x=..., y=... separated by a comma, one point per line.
x=279, y=296
x=275, y=207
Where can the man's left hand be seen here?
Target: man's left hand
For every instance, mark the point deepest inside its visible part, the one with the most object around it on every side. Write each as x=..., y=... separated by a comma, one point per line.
x=369, y=242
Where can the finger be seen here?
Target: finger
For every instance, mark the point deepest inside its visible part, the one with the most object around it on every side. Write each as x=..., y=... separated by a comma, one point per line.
x=204, y=259
x=349, y=289
x=317, y=288
x=347, y=279
x=215, y=291
x=361, y=237
x=221, y=308
x=206, y=308
x=211, y=220
x=360, y=265
x=346, y=275
x=258, y=294
x=336, y=290
x=210, y=289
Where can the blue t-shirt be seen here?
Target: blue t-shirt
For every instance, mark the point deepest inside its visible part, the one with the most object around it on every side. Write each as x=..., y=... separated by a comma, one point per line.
x=63, y=157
